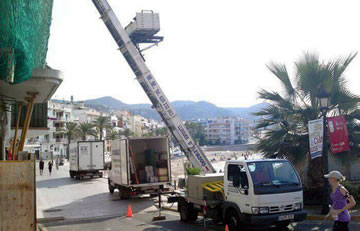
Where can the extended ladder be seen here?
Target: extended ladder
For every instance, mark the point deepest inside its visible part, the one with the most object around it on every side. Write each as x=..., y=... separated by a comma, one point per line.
x=152, y=89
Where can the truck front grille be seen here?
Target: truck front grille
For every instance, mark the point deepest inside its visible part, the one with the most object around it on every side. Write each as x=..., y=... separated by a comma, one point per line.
x=280, y=209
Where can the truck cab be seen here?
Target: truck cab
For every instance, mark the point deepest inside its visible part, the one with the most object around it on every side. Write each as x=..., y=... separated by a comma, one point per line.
x=262, y=192
x=266, y=192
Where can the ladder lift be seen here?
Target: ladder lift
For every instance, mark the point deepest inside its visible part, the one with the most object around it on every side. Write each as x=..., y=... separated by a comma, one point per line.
x=129, y=47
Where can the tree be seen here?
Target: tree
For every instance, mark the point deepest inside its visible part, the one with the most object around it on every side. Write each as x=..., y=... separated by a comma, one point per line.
x=86, y=129
x=286, y=118
x=101, y=123
x=160, y=131
x=113, y=135
x=197, y=131
x=126, y=133
x=71, y=132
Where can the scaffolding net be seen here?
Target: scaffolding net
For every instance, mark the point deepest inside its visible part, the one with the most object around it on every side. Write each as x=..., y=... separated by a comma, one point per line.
x=24, y=35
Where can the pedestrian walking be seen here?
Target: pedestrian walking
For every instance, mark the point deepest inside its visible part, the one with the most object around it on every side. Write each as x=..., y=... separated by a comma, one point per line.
x=41, y=166
x=57, y=163
x=342, y=201
x=50, y=164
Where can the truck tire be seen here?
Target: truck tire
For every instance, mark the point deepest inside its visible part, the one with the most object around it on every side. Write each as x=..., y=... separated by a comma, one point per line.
x=187, y=212
x=111, y=188
x=71, y=174
x=77, y=177
x=124, y=193
x=233, y=220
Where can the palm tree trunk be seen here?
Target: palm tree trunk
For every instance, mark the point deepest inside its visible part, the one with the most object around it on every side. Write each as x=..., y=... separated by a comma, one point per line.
x=101, y=133
x=68, y=148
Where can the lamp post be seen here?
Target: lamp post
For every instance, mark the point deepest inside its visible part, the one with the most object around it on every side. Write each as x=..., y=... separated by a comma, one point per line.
x=324, y=102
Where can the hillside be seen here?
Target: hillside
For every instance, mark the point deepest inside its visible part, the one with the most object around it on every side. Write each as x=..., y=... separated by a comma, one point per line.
x=187, y=110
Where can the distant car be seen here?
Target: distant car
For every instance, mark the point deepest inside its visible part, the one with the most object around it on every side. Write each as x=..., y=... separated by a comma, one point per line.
x=61, y=162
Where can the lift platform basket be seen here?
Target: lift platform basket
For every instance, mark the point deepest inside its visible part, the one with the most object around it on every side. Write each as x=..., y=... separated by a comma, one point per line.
x=145, y=25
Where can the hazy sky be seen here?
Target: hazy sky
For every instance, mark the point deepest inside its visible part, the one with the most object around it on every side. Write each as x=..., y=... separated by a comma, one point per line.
x=213, y=50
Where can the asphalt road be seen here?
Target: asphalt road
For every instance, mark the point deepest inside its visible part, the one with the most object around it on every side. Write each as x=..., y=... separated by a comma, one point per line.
x=87, y=205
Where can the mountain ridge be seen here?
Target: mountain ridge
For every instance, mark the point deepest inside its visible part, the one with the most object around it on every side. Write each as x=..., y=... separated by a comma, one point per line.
x=186, y=109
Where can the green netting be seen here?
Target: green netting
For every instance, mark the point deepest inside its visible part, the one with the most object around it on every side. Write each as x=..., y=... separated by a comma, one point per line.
x=24, y=35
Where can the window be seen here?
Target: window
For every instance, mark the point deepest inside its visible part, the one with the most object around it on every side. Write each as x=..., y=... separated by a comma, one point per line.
x=273, y=173
x=238, y=171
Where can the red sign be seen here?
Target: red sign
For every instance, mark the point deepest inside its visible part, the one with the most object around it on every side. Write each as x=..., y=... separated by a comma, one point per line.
x=338, y=133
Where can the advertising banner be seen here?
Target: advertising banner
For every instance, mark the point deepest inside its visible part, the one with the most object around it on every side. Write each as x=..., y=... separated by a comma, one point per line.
x=316, y=133
x=339, y=138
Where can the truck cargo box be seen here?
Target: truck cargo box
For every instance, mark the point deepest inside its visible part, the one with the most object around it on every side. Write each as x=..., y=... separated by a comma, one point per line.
x=86, y=157
x=140, y=162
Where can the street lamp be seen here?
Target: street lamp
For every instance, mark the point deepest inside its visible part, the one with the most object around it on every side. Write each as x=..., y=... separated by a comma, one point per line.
x=324, y=102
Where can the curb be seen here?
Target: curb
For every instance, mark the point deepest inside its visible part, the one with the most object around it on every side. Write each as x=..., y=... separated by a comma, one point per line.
x=42, y=227
x=49, y=219
x=321, y=218
x=308, y=218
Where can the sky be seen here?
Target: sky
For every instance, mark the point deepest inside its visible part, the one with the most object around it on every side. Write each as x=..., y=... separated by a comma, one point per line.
x=214, y=51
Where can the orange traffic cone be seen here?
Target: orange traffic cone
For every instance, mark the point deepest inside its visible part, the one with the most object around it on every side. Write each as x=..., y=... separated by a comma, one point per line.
x=129, y=214
x=226, y=228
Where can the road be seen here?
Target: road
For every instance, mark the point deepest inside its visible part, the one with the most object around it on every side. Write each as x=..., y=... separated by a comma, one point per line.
x=68, y=204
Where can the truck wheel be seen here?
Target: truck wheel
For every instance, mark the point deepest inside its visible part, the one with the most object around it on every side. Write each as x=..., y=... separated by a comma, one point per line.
x=233, y=220
x=187, y=212
x=71, y=174
x=77, y=177
x=111, y=188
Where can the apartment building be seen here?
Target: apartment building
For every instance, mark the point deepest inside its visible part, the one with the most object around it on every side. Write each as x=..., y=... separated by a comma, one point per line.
x=227, y=130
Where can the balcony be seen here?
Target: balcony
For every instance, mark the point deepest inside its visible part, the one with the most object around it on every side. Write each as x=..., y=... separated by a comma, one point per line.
x=61, y=140
x=59, y=129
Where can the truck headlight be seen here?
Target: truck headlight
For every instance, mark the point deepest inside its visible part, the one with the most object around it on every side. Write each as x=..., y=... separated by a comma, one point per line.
x=260, y=210
x=255, y=210
x=298, y=206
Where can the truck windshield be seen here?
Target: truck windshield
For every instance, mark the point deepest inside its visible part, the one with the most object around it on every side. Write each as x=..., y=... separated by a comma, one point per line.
x=274, y=173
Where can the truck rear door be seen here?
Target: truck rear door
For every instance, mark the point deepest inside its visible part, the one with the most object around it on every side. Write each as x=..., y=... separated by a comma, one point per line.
x=124, y=162
x=84, y=155
x=97, y=153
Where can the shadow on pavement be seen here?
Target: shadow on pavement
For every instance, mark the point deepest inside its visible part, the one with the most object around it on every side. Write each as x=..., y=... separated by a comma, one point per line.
x=97, y=206
x=59, y=182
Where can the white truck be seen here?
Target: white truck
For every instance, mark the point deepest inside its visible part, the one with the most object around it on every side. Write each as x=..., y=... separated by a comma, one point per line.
x=249, y=192
x=86, y=159
x=277, y=200
x=139, y=166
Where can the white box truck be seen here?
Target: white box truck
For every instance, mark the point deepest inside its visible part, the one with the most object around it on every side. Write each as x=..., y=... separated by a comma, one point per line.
x=139, y=166
x=86, y=159
x=249, y=192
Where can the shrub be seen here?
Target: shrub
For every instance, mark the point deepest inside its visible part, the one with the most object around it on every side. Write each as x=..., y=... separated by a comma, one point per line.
x=353, y=189
x=193, y=171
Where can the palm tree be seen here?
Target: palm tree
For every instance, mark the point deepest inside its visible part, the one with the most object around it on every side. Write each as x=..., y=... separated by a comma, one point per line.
x=86, y=129
x=286, y=117
x=101, y=123
x=113, y=135
x=71, y=131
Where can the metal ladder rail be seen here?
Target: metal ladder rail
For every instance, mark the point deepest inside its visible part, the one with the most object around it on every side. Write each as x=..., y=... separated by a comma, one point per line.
x=193, y=152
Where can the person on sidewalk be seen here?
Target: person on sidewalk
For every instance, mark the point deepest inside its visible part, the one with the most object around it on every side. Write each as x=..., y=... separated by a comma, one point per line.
x=41, y=166
x=57, y=163
x=342, y=201
x=50, y=164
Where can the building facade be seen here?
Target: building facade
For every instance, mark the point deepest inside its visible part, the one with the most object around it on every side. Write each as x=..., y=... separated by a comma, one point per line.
x=227, y=130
